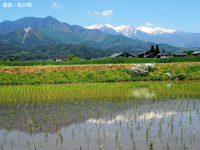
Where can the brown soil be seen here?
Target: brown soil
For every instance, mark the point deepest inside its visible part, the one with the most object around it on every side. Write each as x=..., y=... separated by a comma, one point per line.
x=61, y=68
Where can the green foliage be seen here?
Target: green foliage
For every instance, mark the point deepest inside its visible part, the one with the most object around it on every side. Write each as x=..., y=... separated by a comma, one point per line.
x=14, y=59
x=116, y=60
x=170, y=54
x=88, y=58
x=189, y=72
x=76, y=58
x=70, y=57
x=152, y=50
x=157, y=50
x=73, y=57
x=30, y=39
x=189, y=52
x=60, y=33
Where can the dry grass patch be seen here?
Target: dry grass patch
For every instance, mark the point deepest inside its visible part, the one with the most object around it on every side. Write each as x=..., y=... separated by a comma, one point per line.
x=62, y=68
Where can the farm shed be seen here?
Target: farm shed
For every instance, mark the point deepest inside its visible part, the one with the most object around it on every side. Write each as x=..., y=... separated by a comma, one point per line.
x=122, y=54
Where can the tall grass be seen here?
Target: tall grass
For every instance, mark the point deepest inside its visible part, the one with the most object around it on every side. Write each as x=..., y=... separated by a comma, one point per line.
x=102, y=61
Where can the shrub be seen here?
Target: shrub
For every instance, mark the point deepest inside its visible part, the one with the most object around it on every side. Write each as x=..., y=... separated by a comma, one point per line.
x=76, y=58
x=141, y=70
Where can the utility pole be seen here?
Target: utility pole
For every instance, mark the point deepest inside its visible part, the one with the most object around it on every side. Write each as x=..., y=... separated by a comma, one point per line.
x=81, y=55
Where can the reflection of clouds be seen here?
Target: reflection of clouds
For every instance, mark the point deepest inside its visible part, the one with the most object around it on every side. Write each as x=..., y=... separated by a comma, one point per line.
x=142, y=92
x=109, y=121
x=156, y=115
x=131, y=116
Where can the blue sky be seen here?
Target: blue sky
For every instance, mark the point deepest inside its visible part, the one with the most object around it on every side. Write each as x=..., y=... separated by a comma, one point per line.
x=183, y=15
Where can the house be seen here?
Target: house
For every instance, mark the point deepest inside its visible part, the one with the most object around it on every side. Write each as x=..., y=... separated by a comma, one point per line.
x=146, y=54
x=163, y=55
x=122, y=54
x=57, y=59
x=181, y=54
x=195, y=53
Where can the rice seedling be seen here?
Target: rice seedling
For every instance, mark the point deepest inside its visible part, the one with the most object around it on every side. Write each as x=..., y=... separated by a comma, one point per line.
x=41, y=144
x=111, y=108
x=35, y=148
x=28, y=143
x=116, y=136
x=151, y=144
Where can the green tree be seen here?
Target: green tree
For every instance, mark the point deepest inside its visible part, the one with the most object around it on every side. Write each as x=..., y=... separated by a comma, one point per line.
x=170, y=53
x=11, y=59
x=88, y=58
x=76, y=58
x=189, y=52
x=73, y=56
x=152, y=50
x=70, y=57
x=157, y=50
x=16, y=59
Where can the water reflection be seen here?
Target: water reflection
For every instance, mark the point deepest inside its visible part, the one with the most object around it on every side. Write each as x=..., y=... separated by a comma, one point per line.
x=134, y=124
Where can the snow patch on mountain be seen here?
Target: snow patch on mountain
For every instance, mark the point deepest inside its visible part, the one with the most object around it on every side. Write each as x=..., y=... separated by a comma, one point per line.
x=96, y=26
x=128, y=30
x=26, y=30
x=154, y=31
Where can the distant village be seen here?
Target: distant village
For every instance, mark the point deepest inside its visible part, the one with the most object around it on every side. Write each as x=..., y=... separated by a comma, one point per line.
x=152, y=53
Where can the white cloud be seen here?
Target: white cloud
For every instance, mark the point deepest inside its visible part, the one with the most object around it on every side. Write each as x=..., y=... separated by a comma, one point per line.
x=149, y=24
x=105, y=13
x=96, y=13
x=55, y=5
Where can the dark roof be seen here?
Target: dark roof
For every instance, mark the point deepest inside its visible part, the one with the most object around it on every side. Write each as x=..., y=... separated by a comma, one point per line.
x=181, y=53
x=114, y=55
x=163, y=54
x=147, y=56
x=119, y=54
x=196, y=53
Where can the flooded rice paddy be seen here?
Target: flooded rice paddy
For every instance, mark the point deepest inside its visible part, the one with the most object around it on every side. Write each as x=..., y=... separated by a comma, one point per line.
x=101, y=116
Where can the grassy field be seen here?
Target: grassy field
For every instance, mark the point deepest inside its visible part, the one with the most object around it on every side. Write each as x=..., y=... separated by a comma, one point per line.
x=118, y=60
x=94, y=73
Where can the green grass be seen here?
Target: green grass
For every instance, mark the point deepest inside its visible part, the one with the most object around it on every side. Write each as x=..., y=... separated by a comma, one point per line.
x=16, y=94
x=189, y=72
x=102, y=61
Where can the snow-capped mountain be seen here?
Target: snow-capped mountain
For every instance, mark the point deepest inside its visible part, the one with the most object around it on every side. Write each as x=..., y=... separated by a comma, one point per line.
x=129, y=30
x=157, y=35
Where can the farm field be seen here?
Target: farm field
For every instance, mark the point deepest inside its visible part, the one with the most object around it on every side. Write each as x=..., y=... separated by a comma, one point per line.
x=96, y=73
x=117, y=60
x=120, y=115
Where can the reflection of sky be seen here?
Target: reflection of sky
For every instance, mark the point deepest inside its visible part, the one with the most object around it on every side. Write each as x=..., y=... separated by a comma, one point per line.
x=121, y=117
x=159, y=109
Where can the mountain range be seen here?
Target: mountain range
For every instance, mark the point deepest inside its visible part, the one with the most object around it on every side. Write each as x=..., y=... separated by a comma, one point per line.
x=47, y=38
x=157, y=35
